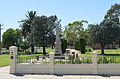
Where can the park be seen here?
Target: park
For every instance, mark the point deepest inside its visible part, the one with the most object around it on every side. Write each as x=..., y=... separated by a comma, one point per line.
x=41, y=45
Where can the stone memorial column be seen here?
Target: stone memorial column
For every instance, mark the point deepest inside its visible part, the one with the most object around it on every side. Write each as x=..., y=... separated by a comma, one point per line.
x=58, y=50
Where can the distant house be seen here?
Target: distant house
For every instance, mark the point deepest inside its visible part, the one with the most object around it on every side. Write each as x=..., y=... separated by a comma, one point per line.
x=3, y=50
x=109, y=46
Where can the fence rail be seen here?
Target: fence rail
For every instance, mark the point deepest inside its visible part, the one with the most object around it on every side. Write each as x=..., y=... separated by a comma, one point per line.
x=72, y=60
x=32, y=60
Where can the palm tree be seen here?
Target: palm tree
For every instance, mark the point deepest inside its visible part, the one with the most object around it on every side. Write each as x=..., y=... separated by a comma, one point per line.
x=27, y=28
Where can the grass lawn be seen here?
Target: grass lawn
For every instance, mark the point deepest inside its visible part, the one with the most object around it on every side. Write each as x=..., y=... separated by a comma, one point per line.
x=4, y=60
x=107, y=51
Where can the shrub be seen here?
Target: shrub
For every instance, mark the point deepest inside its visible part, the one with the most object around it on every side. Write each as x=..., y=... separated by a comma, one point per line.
x=82, y=45
x=64, y=45
x=78, y=61
x=77, y=45
x=103, y=60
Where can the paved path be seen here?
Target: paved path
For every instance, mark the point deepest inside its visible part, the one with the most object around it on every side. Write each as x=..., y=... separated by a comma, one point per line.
x=4, y=74
x=4, y=70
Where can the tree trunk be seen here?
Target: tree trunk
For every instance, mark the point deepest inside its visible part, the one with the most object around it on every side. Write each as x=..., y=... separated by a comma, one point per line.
x=25, y=51
x=119, y=44
x=102, y=48
x=52, y=46
x=32, y=48
x=18, y=48
x=44, y=50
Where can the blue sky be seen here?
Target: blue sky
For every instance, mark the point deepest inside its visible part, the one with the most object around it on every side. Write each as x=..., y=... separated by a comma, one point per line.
x=12, y=11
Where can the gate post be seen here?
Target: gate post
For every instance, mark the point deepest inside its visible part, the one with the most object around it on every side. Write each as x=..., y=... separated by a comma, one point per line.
x=51, y=63
x=94, y=62
x=13, y=53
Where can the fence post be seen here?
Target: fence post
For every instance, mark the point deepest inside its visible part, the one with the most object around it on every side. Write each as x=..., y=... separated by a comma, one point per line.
x=51, y=63
x=94, y=62
x=13, y=53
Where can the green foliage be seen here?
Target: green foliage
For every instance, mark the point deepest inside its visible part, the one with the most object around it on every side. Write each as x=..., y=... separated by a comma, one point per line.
x=18, y=37
x=27, y=27
x=8, y=38
x=105, y=33
x=77, y=45
x=108, y=59
x=82, y=45
x=44, y=30
x=102, y=60
x=64, y=45
x=24, y=45
x=11, y=37
x=113, y=12
x=108, y=31
x=75, y=30
x=26, y=24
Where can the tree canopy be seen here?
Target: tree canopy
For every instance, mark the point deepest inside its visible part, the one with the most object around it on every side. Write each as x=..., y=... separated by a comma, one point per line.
x=43, y=30
x=74, y=31
x=27, y=28
x=104, y=33
x=11, y=38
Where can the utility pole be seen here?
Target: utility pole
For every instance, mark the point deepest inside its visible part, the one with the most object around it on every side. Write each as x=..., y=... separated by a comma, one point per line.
x=0, y=39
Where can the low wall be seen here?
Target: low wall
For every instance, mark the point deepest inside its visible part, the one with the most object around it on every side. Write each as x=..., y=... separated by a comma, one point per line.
x=54, y=68
x=73, y=69
x=109, y=69
x=58, y=68
x=32, y=68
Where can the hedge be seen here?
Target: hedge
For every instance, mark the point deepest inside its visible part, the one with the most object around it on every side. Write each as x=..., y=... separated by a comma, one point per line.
x=64, y=45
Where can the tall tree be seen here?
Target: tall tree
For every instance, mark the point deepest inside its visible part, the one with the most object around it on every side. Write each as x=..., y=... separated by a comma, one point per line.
x=44, y=28
x=74, y=31
x=18, y=37
x=27, y=28
x=11, y=37
x=114, y=14
x=8, y=38
x=104, y=33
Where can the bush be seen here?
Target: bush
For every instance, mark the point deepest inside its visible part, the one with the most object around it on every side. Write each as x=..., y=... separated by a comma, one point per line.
x=82, y=45
x=77, y=45
x=64, y=45
x=103, y=60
